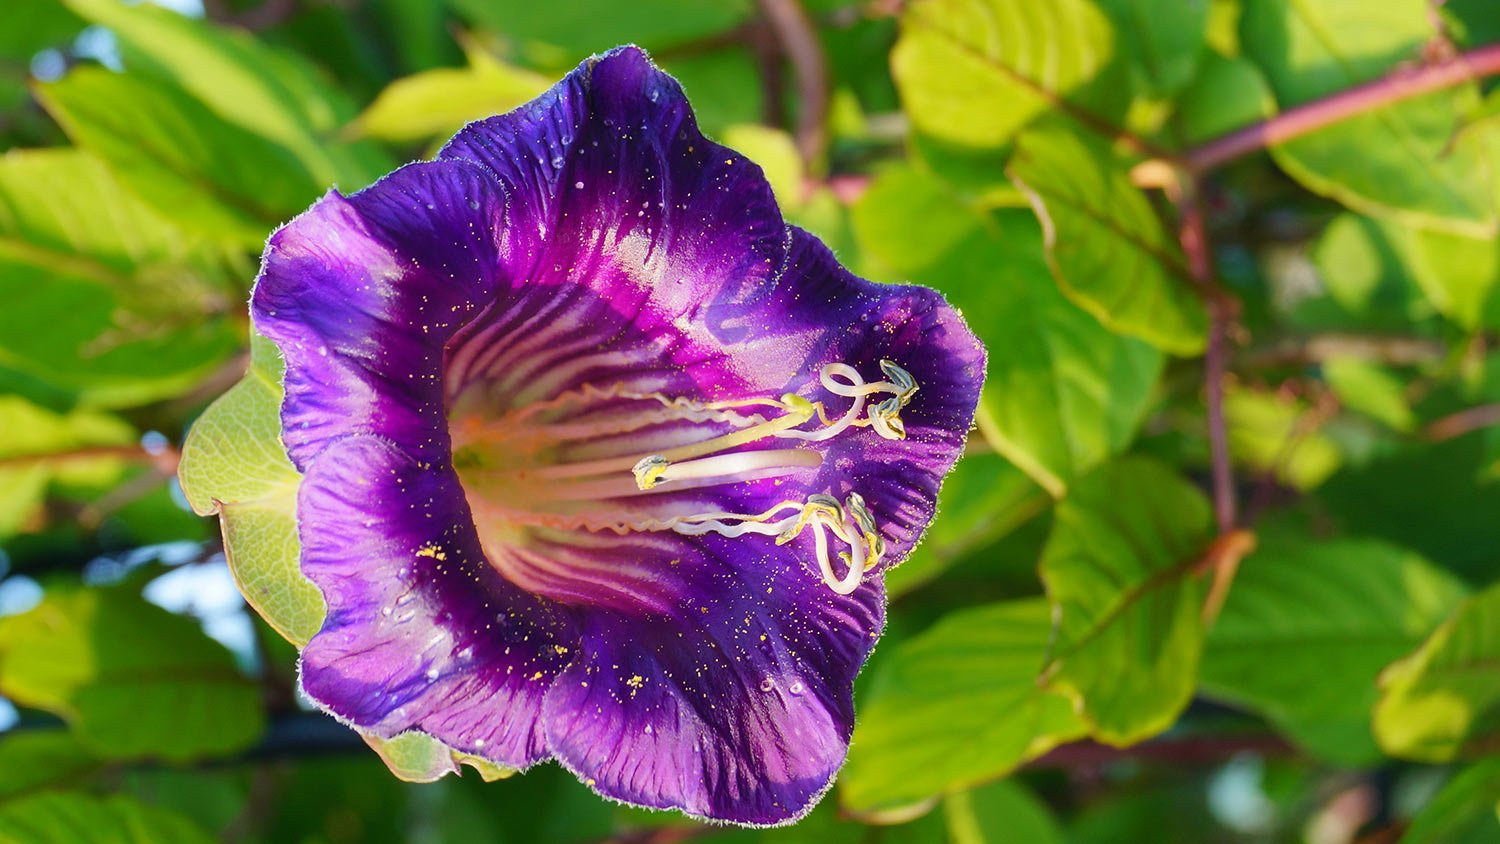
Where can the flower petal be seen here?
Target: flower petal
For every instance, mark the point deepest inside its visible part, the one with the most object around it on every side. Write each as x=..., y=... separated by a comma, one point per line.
x=421, y=633
x=861, y=323
x=361, y=293
x=741, y=712
x=613, y=187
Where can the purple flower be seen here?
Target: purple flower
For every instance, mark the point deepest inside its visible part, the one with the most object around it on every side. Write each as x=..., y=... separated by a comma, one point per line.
x=602, y=459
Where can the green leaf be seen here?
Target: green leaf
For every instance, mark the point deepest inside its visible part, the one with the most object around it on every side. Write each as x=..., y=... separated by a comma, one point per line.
x=1274, y=434
x=1117, y=568
x=436, y=103
x=1365, y=267
x=776, y=153
x=30, y=26
x=42, y=759
x=585, y=26
x=974, y=72
x=1002, y=812
x=956, y=706
x=38, y=446
x=234, y=465
x=1163, y=46
x=1458, y=274
x=125, y=293
x=1063, y=393
x=84, y=819
x=96, y=344
x=131, y=678
x=1394, y=160
x=172, y=152
x=245, y=82
x=1444, y=699
x=976, y=175
x=1465, y=811
x=1473, y=22
x=1107, y=248
x=61, y=209
x=1370, y=389
x=1309, y=625
x=1225, y=94
x=1426, y=496
x=418, y=757
x=908, y=221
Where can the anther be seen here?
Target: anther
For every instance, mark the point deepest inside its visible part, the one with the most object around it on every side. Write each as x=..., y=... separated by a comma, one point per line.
x=885, y=418
x=649, y=470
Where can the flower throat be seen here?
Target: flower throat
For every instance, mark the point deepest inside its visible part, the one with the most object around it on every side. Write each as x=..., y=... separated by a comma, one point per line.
x=513, y=479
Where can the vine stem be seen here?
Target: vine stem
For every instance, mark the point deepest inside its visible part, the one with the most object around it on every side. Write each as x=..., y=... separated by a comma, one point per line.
x=1399, y=85
x=164, y=459
x=1464, y=421
x=1222, y=559
x=1192, y=233
x=798, y=38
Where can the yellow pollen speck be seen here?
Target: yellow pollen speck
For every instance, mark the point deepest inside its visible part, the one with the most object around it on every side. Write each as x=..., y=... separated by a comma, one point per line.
x=636, y=682
x=762, y=637
x=561, y=649
x=433, y=551
x=537, y=676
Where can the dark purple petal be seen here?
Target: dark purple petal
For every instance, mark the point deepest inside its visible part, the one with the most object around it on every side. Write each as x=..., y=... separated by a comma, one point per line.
x=741, y=709
x=614, y=188
x=421, y=633
x=361, y=293
x=861, y=323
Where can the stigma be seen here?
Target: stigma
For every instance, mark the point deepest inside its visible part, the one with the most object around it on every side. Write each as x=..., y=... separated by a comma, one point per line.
x=505, y=466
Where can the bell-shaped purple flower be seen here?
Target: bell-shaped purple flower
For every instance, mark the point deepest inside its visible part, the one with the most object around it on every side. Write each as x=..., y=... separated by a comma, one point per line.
x=602, y=460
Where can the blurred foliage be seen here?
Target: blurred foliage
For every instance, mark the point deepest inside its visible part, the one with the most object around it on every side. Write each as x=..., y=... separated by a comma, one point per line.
x=1077, y=653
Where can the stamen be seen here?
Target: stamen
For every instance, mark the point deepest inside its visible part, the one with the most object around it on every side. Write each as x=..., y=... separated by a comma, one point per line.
x=700, y=449
x=656, y=469
x=713, y=461
x=712, y=471
x=649, y=470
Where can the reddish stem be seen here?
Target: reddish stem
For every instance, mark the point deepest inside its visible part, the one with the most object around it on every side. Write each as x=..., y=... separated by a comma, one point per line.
x=1400, y=85
x=799, y=41
x=1192, y=233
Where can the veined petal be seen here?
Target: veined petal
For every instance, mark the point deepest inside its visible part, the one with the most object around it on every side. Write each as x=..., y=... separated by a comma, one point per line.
x=614, y=189
x=740, y=713
x=861, y=323
x=361, y=293
x=421, y=633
